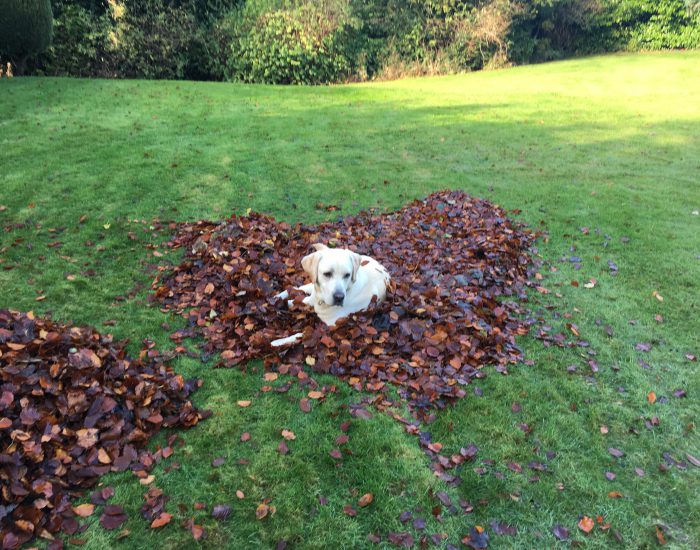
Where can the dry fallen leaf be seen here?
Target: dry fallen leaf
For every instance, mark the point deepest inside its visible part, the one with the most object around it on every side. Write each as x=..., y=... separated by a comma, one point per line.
x=163, y=519
x=243, y=403
x=586, y=524
x=660, y=536
x=84, y=510
x=197, y=532
x=262, y=510
x=365, y=500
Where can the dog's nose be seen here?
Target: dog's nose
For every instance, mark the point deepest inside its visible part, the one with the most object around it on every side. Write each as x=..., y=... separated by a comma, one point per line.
x=338, y=298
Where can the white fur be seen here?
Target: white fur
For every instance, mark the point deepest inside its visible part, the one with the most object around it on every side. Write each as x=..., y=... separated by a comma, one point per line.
x=338, y=271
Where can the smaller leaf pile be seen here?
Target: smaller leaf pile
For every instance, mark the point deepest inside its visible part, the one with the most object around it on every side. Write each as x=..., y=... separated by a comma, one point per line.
x=457, y=265
x=74, y=406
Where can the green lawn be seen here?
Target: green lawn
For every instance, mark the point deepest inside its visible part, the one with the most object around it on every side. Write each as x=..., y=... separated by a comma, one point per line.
x=609, y=143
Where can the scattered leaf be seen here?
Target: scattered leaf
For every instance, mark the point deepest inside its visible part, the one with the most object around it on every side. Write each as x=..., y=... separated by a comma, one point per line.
x=84, y=510
x=163, y=519
x=586, y=524
x=349, y=510
x=262, y=511
x=221, y=511
x=560, y=532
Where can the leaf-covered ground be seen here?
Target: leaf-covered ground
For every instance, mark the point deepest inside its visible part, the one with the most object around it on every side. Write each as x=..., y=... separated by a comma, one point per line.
x=602, y=153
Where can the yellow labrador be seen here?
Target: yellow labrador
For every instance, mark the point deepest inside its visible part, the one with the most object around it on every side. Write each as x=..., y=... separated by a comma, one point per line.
x=342, y=283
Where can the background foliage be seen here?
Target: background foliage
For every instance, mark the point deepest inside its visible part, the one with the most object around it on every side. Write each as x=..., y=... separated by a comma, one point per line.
x=312, y=42
x=25, y=29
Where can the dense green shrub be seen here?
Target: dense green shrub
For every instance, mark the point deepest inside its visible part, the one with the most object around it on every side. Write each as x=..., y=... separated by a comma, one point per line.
x=81, y=43
x=291, y=46
x=154, y=43
x=553, y=29
x=648, y=24
x=25, y=29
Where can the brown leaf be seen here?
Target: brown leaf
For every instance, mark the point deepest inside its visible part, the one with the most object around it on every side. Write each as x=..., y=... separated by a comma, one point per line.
x=197, y=531
x=365, y=500
x=163, y=519
x=660, y=536
x=617, y=453
x=84, y=510
x=349, y=510
x=586, y=524
x=112, y=521
x=262, y=510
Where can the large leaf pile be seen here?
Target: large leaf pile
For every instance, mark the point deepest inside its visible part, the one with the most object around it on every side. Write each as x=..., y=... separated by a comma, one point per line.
x=74, y=406
x=457, y=266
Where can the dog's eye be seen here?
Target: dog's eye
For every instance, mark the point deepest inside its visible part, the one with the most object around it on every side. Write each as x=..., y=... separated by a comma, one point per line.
x=328, y=274
x=346, y=276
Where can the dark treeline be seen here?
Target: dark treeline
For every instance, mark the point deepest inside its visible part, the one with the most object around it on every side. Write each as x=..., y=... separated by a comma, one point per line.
x=321, y=41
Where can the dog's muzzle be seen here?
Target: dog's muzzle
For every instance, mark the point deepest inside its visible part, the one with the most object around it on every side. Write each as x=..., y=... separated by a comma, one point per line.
x=338, y=298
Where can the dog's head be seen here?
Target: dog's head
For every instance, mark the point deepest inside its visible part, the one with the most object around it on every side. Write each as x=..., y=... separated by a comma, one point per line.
x=333, y=272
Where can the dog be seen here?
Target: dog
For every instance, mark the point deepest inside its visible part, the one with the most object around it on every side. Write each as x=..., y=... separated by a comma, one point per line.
x=342, y=283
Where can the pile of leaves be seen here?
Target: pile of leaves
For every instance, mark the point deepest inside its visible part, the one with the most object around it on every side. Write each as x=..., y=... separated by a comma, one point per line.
x=458, y=268
x=74, y=406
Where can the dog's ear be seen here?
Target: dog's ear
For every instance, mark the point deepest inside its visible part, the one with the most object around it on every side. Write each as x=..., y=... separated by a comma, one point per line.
x=318, y=247
x=355, y=257
x=310, y=265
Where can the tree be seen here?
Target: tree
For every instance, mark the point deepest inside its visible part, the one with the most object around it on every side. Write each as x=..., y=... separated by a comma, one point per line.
x=25, y=29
